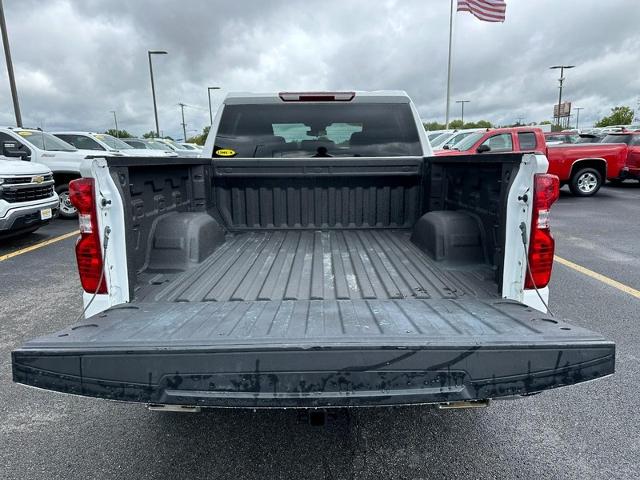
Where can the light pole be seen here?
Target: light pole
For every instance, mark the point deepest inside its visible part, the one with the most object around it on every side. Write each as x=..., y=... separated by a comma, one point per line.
x=577, y=109
x=115, y=120
x=462, y=102
x=561, y=80
x=446, y=114
x=7, y=55
x=209, y=94
x=184, y=125
x=153, y=87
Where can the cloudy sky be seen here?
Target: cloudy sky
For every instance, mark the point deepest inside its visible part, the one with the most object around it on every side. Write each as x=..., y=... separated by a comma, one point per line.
x=75, y=61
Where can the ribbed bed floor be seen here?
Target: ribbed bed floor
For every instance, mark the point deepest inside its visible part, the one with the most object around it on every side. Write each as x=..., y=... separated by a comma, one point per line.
x=317, y=265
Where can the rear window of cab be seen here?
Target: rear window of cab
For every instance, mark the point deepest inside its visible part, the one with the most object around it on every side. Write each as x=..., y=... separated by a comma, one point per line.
x=299, y=130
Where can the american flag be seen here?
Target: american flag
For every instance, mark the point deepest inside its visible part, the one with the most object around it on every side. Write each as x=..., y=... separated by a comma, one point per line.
x=486, y=10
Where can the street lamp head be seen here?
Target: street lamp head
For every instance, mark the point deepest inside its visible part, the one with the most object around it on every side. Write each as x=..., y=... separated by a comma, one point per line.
x=561, y=66
x=157, y=52
x=213, y=88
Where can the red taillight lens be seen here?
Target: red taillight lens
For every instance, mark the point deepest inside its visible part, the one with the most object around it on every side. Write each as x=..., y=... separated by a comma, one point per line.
x=88, y=248
x=541, y=244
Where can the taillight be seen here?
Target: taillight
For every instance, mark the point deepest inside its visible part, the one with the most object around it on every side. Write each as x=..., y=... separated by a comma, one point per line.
x=88, y=249
x=541, y=244
x=317, y=96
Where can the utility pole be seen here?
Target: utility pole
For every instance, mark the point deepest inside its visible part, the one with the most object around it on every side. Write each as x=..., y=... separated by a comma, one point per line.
x=209, y=94
x=561, y=80
x=153, y=87
x=115, y=120
x=7, y=55
x=184, y=125
x=462, y=102
x=577, y=109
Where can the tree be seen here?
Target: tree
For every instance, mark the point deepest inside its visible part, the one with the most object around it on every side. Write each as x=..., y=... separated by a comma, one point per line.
x=150, y=134
x=457, y=124
x=118, y=133
x=433, y=126
x=200, y=139
x=484, y=124
x=622, y=115
x=478, y=124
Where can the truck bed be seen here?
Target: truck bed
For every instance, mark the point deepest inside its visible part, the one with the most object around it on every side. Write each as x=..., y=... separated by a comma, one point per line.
x=318, y=265
x=295, y=283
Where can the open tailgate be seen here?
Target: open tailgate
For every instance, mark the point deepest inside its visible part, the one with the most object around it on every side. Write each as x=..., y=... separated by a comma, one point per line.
x=314, y=353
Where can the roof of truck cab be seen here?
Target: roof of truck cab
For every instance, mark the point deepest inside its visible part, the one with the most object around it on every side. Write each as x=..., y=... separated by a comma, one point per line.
x=379, y=96
x=522, y=128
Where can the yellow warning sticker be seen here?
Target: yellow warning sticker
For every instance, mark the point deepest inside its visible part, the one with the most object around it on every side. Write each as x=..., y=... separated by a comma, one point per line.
x=24, y=133
x=225, y=152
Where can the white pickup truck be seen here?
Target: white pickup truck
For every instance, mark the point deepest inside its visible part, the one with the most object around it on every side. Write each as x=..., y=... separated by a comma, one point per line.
x=62, y=158
x=319, y=256
x=27, y=197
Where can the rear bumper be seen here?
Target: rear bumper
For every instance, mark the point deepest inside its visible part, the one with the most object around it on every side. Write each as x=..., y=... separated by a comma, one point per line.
x=315, y=377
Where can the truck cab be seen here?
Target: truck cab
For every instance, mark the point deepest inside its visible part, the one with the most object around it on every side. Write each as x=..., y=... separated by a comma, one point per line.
x=27, y=196
x=499, y=140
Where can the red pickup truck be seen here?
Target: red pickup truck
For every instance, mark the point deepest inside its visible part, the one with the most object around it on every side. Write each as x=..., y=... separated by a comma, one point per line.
x=631, y=169
x=584, y=167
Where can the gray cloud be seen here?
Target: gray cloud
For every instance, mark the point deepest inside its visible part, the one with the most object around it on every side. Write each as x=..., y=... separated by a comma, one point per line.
x=77, y=60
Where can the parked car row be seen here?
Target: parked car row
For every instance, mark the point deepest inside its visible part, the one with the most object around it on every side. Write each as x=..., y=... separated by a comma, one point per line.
x=54, y=159
x=587, y=135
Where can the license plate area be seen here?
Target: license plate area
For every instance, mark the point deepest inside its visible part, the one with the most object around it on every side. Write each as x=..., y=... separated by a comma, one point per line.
x=46, y=214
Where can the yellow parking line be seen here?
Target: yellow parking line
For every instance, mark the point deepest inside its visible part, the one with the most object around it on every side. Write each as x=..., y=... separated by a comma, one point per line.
x=598, y=276
x=38, y=245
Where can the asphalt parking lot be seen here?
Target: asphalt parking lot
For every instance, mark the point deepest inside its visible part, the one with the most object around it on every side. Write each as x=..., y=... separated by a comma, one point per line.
x=585, y=431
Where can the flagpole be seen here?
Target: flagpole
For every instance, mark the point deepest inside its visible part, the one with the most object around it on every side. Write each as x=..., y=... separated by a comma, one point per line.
x=446, y=121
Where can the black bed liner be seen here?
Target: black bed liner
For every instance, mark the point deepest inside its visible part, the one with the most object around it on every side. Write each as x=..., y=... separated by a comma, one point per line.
x=318, y=265
x=311, y=353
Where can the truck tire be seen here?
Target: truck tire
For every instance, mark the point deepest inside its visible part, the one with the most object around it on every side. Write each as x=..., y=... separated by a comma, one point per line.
x=585, y=182
x=66, y=210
